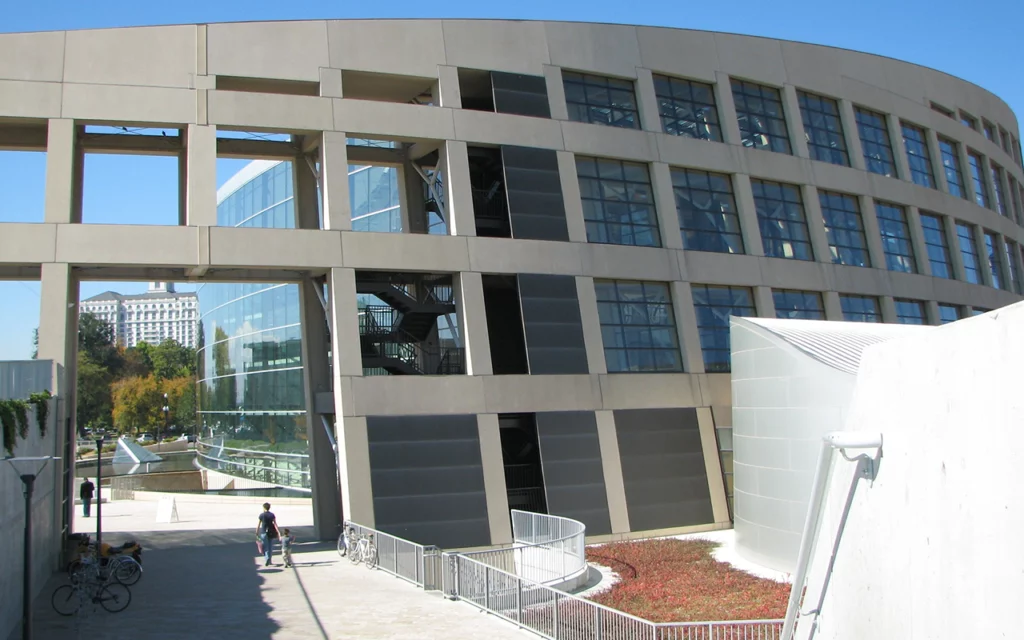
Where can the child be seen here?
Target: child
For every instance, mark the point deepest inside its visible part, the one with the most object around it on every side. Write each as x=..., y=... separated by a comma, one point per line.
x=286, y=547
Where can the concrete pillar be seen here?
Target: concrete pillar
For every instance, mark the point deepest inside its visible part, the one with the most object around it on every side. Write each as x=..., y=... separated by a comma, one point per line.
x=935, y=153
x=899, y=151
x=924, y=267
x=337, y=208
x=665, y=206
x=815, y=224
x=574, y=221
x=473, y=323
x=347, y=360
x=982, y=250
x=201, y=176
x=747, y=210
x=498, y=516
x=833, y=306
x=592, y=337
x=647, y=101
x=965, y=172
x=458, y=194
x=852, y=133
x=447, y=92
x=888, y=310
x=932, y=312
x=410, y=196
x=64, y=164
x=330, y=83
x=794, y=121
x=611, y=464
x=307, y=199
x=713, y=465
x=727, y=111
x=354, y=468
x=686, y=327
x=323, y=472
x=764, y=302
x=556, y=92
x=872, y=232
x=956, y=258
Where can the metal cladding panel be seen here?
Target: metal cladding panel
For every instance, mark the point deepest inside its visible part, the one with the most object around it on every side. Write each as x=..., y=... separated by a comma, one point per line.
x=535, y=205
x=21, y=378
x=520, y=94
x=663, y=468
x=570, y=456
x=428, y=480
x=551, y=319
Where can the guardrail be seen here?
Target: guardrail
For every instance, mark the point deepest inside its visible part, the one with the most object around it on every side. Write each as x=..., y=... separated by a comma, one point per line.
x=548, y=549
x=272, y=467
x=416, y=563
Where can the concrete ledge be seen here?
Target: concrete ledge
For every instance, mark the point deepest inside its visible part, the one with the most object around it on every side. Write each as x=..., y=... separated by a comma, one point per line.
x=155, y=496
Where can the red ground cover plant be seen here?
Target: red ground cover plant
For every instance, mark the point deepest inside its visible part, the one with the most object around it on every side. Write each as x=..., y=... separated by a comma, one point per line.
x=679, y=581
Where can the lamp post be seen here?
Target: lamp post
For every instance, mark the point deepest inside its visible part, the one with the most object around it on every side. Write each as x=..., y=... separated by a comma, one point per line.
x=167, y=410
x=28, y=469
x=99, y=495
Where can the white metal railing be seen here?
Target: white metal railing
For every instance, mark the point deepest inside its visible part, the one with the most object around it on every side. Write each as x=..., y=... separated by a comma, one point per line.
x=285, y=469
x=416, y=563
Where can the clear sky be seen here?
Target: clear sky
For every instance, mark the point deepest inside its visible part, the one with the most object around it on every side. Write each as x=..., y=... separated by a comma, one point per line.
x=979, y=41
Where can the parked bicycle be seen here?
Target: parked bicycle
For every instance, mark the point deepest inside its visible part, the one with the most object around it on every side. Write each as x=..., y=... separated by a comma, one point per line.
x=90, y=583
x=361, y=548
x=115, y=561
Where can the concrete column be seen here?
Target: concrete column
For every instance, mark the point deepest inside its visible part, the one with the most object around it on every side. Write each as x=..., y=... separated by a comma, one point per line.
x=764, y=302
x=410, y=197
x=833, y=306
x=1004, y=268
x=965, y=172
x=323, y=471
x=447, y=92
x=956, y=258
x=932, y=312
x=334, y=181
x=888, y=310
x=64, y=165
x=347, y=360
x=307, y=200
x=473, y=323
x=899, y=150
x=924, y=267
x=592, y=337
x=201, y=176
x=611, y=464
x=872, y=232
x=574, y=221
x=556, y=92
x=330, y=83
x=665, y=206
x=935, y=153
x=795, y=122
x=982, y=249
x=494, y=479
x=852, y=133
x=354, y=468
x=459, y=196
x=713, y=465
x=647, y=101
x=747, y=210
x=686, y=327
x=727, y=111
x=815, y=224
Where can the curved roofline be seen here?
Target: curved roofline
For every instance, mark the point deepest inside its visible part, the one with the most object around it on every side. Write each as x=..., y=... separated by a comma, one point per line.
x=614, y=24
x=244, y=175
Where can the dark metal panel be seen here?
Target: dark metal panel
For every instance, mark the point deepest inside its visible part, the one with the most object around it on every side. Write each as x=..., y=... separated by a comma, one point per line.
x=663, y=468
x=570, y=455
x=427, y=479
x=551, y=320
x=520, y=94
x=535, y=205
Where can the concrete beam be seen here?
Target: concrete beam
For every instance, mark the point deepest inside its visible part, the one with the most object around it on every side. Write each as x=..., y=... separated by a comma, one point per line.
x=255, y=149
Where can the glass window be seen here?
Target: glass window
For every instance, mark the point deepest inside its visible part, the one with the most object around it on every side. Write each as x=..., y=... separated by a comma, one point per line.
x=935, y=243
x=968, y=252
x=990, y=131
x=638, y=326
x=687, y=108
x=600, y=100
x=1015, y=200
x=860, y=308
x=1004, y=137
x=997, y=188
x=974, y=162
x=805, y=305
x=618, y=205
x=1011, y=266
x=707, y=211
x=951, y=166
x=994, y=259
x=761, y=117
x=713, y=307
x=844, y=229
x=910, y=312
x=823, y=128
x=918, y=158
x=899, y=252
x=968, y=121
x=780, y=215
x=874, y=137
x=948, y=313
x=943, y=110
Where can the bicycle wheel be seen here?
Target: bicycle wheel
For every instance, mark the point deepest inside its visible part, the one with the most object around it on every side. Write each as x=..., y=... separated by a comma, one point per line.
x=355, y=554
x=127, y=571
x=370, y=559
x=114, y=597
x=65, y=600
x=342, y=549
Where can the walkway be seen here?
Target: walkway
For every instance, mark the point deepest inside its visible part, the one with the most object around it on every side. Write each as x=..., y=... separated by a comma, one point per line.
x=209, y=584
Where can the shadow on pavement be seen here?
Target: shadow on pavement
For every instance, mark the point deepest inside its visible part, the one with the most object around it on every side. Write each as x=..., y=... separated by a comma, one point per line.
x=196, y=584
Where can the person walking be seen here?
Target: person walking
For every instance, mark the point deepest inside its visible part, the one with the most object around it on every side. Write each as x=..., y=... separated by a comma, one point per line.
x=85, y=493
x=267, y=532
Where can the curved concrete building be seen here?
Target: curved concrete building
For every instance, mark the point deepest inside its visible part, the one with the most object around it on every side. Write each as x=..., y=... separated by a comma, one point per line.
x=582, y=207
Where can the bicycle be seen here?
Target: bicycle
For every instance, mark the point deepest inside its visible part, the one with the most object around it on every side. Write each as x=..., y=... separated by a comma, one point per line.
x=343, y=540
x=364, y=550
x=113, y=596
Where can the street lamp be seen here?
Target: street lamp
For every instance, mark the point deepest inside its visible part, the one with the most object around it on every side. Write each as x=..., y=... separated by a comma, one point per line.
x=166, y=413
x=99, y=492
x=28, y=469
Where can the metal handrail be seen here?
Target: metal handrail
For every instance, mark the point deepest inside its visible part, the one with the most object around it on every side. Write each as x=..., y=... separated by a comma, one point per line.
x=410, y=561
x=258, y=451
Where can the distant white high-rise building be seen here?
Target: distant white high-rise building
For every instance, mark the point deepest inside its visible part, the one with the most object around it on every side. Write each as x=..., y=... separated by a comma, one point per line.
x=157, y=315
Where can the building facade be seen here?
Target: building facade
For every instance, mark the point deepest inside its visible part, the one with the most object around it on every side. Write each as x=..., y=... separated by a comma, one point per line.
x=582, y=208
x=157, y=315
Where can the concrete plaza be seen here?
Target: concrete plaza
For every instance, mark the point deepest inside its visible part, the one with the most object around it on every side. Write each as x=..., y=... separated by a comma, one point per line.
x=203, y=579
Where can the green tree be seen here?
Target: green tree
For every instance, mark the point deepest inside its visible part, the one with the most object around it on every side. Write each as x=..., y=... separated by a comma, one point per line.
x=172, y=360
x=137, y=404
x=35, y=343
x=94, y=401
x=135, y=362
x=96, y=339
x=181, y=398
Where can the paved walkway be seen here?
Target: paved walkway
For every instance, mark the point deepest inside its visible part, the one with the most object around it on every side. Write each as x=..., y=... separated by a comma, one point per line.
x=209, y=583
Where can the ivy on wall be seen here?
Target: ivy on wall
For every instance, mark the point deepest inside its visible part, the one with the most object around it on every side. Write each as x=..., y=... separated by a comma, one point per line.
x=14, y=418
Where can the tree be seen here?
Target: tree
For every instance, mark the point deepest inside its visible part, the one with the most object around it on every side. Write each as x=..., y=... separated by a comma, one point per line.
x=134, y=362
x=96, y=339
x=172, y=360
x=94, y=402
x=181, y=398
x=137, y=404
x=35, y=343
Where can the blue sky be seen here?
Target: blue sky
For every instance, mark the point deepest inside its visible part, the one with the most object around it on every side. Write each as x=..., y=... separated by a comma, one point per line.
x=978, y=41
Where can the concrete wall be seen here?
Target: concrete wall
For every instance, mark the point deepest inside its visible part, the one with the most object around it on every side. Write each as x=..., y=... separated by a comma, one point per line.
x=25, y=378
x=932, y=547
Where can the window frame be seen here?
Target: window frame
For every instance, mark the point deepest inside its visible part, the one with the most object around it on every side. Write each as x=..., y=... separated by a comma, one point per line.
x=860, y=315
x=731, y=240
x=776, y=141
x=994, y=258
x=819, y=311
x=605, y=185
x=648, y=300
x=708, y=333
x=885, y=225
x=972, y=243
x=956, y=310
x=787, y=224
x=834, y=232
x=924, y=157
x=975, y=167
x=883, y=144
x=943, y=247
x=598, y=82
x=823, y=153
x=957, y=187
x=672, y=83
x=998, y=193
x=918, y=304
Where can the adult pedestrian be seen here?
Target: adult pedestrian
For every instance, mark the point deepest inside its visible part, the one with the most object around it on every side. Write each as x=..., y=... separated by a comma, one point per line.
x=86, y=493
x=267, y=532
